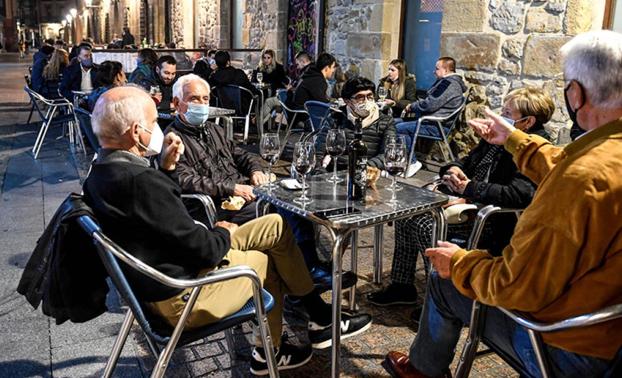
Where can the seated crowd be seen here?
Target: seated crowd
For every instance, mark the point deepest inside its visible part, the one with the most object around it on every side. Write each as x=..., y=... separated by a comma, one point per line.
x=560, y=259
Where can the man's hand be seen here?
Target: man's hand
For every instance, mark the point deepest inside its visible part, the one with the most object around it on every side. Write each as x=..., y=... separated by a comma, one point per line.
x=231, y=227
x=440, y=257
x=389, y=102
x=453, y=170
x=172, y=149
x=157, y=96
x=455, y=179
x=259, y=178
x=244, y=191
x=494, y=129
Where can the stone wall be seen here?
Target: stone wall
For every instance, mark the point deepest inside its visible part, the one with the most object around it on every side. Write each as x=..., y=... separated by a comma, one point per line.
x=503, y=45
x=364, y=33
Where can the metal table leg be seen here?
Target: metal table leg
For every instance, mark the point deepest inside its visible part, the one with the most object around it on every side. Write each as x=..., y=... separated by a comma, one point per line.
x=378, y=252
x=338, y=238
x=354, y=268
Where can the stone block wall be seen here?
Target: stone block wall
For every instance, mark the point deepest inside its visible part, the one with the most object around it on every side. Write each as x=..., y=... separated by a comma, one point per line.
x=501, y=45
x=364, y=33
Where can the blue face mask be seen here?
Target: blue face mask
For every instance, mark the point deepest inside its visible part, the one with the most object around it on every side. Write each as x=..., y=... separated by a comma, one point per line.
x=197, y=114
x=511, y=121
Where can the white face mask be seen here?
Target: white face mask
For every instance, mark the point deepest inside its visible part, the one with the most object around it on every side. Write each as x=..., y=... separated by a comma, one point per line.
x=363, y=109
x=155, y=144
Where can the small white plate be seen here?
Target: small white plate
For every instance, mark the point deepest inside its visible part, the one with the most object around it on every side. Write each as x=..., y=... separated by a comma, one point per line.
x=292, y=184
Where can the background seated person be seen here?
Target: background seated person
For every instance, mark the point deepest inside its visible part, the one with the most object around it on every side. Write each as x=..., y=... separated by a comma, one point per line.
x=212, y=164
x=401, y=87
x=272, y=71
x=313, y=85
x=162, y=78
x=79, y=74
x=145, y=65
x=109, y=75
x=442, y=99
x=41, y=59
x=358, y=94
x=564, y=258
x=205, y=66
x=226, y=74
x=140, y=208
x=488, y=176
x=51, y=74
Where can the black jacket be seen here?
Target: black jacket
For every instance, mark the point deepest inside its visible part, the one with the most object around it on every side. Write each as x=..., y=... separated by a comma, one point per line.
x=203, y=69
x=147, y=81
x=231, y=76
x=277, y=78
x=211, y=164
x=64, y=270
x=140, y=209
x=72, y=79
x=374, y=137
x=410, y=95
x=312, y=87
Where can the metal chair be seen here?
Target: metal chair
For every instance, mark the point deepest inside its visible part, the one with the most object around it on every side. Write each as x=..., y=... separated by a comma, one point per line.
x=53, y=105
x=157, y=332
x=319, y=113
x=478, y=316
x=84, y=117
x=231, y=97
x=291, y=115
x=450, y=120
x=207, y=204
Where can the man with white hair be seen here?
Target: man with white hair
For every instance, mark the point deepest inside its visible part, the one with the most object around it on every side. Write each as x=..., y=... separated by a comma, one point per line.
x=565, y=256
x=213, y=165
x=140, y=208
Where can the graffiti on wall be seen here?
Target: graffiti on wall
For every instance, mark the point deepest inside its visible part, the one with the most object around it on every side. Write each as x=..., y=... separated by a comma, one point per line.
x=303, y=30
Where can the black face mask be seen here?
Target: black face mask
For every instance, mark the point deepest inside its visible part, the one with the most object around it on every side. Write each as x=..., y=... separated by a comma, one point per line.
x=573, y=113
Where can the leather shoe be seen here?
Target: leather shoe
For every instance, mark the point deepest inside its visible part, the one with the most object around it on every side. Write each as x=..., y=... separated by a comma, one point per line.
x=398, y=365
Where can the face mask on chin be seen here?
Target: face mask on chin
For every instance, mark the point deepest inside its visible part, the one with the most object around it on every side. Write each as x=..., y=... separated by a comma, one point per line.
x=155, y=144
x=197, y=114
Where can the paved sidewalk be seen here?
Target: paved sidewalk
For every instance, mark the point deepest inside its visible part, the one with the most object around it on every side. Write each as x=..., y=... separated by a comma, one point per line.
x=32, y=345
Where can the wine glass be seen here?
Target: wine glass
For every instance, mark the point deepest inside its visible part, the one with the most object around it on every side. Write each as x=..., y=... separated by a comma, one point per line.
x=400, y=140
x=269, y=148
x=303, y=162
x=382, y=94
x=260, y=78
x=395, y=163
x=335, y=146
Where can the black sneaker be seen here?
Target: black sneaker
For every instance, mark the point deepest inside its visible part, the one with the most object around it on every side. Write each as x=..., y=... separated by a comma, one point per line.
x=288, y=356
x=394, y=294
x=323, y=279
x=351, y=325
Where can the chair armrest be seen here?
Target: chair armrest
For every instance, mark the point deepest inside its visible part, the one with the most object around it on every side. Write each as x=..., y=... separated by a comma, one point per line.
x=606, y=314
x=208, y=205
x=480, y=220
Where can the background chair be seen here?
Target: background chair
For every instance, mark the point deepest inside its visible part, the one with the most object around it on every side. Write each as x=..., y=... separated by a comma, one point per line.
x=445, y=126
x=84, y=118
x=53, y=106
x=242, y=101
x=156, y=331
x=478, y=316
x=319, y=113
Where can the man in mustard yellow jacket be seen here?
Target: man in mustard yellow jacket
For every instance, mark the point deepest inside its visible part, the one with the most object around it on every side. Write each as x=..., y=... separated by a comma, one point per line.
x=565, y=258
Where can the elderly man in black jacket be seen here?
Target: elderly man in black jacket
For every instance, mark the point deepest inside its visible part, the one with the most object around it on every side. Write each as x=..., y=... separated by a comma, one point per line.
x=214, y=165
x=140, y=208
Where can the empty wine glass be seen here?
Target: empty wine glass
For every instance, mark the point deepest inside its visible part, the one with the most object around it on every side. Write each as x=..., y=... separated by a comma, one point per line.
x=382, y=94
x=395, y=163
x=335, y=146
x=303, y=162
x=269, y=148
x=260, y=78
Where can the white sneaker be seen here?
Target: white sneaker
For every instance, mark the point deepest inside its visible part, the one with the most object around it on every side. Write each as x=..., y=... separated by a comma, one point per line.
x=413, y=168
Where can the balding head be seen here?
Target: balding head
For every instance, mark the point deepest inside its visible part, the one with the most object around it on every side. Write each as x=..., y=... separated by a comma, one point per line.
x=120, y=110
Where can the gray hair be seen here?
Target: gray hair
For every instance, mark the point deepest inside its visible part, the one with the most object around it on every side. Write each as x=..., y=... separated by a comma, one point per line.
x=594, y=59
x=112, y=119
x=182, y=81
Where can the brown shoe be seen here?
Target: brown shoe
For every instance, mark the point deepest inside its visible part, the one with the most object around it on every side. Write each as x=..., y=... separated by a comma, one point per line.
x=398, y=365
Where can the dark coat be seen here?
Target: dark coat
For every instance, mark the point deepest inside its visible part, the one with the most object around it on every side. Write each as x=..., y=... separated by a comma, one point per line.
x=312, y=87
x=36, y=77
x=410, y=95
x=128, y=39
x=72, y=79
x=374, y=137
x=211, y=164
x=231, y=76
x=153, y=79
x=140, y=208
x=64, y=271
x=277, y=78
x=203, y=69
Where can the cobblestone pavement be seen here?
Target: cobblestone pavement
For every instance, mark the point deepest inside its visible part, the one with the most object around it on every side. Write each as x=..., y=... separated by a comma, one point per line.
x=32, y=345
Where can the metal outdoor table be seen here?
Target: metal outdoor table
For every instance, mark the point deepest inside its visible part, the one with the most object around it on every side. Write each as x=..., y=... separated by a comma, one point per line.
x=331, y=208
x=214, y=112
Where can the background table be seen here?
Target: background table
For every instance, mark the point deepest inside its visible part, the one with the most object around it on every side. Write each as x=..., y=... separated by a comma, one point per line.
x=375, y=211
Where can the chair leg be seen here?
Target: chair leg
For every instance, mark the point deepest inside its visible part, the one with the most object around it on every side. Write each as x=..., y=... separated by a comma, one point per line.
x=119, y=343
x=230, y=344
x=32, y=109
x=44, y=128
x=353, y=268
x=264, y=331
x=536, y=343
x=378, y=252
x=476, y=328
x=247, y=125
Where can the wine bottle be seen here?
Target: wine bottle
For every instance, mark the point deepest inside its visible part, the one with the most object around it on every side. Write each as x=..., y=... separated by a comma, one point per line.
x=357, y=164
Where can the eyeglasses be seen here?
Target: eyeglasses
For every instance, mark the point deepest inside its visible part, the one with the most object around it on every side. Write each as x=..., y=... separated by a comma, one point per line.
x=361, y=97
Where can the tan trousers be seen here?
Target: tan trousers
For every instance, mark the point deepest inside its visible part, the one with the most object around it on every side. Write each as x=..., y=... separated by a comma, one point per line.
x=268, y=246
